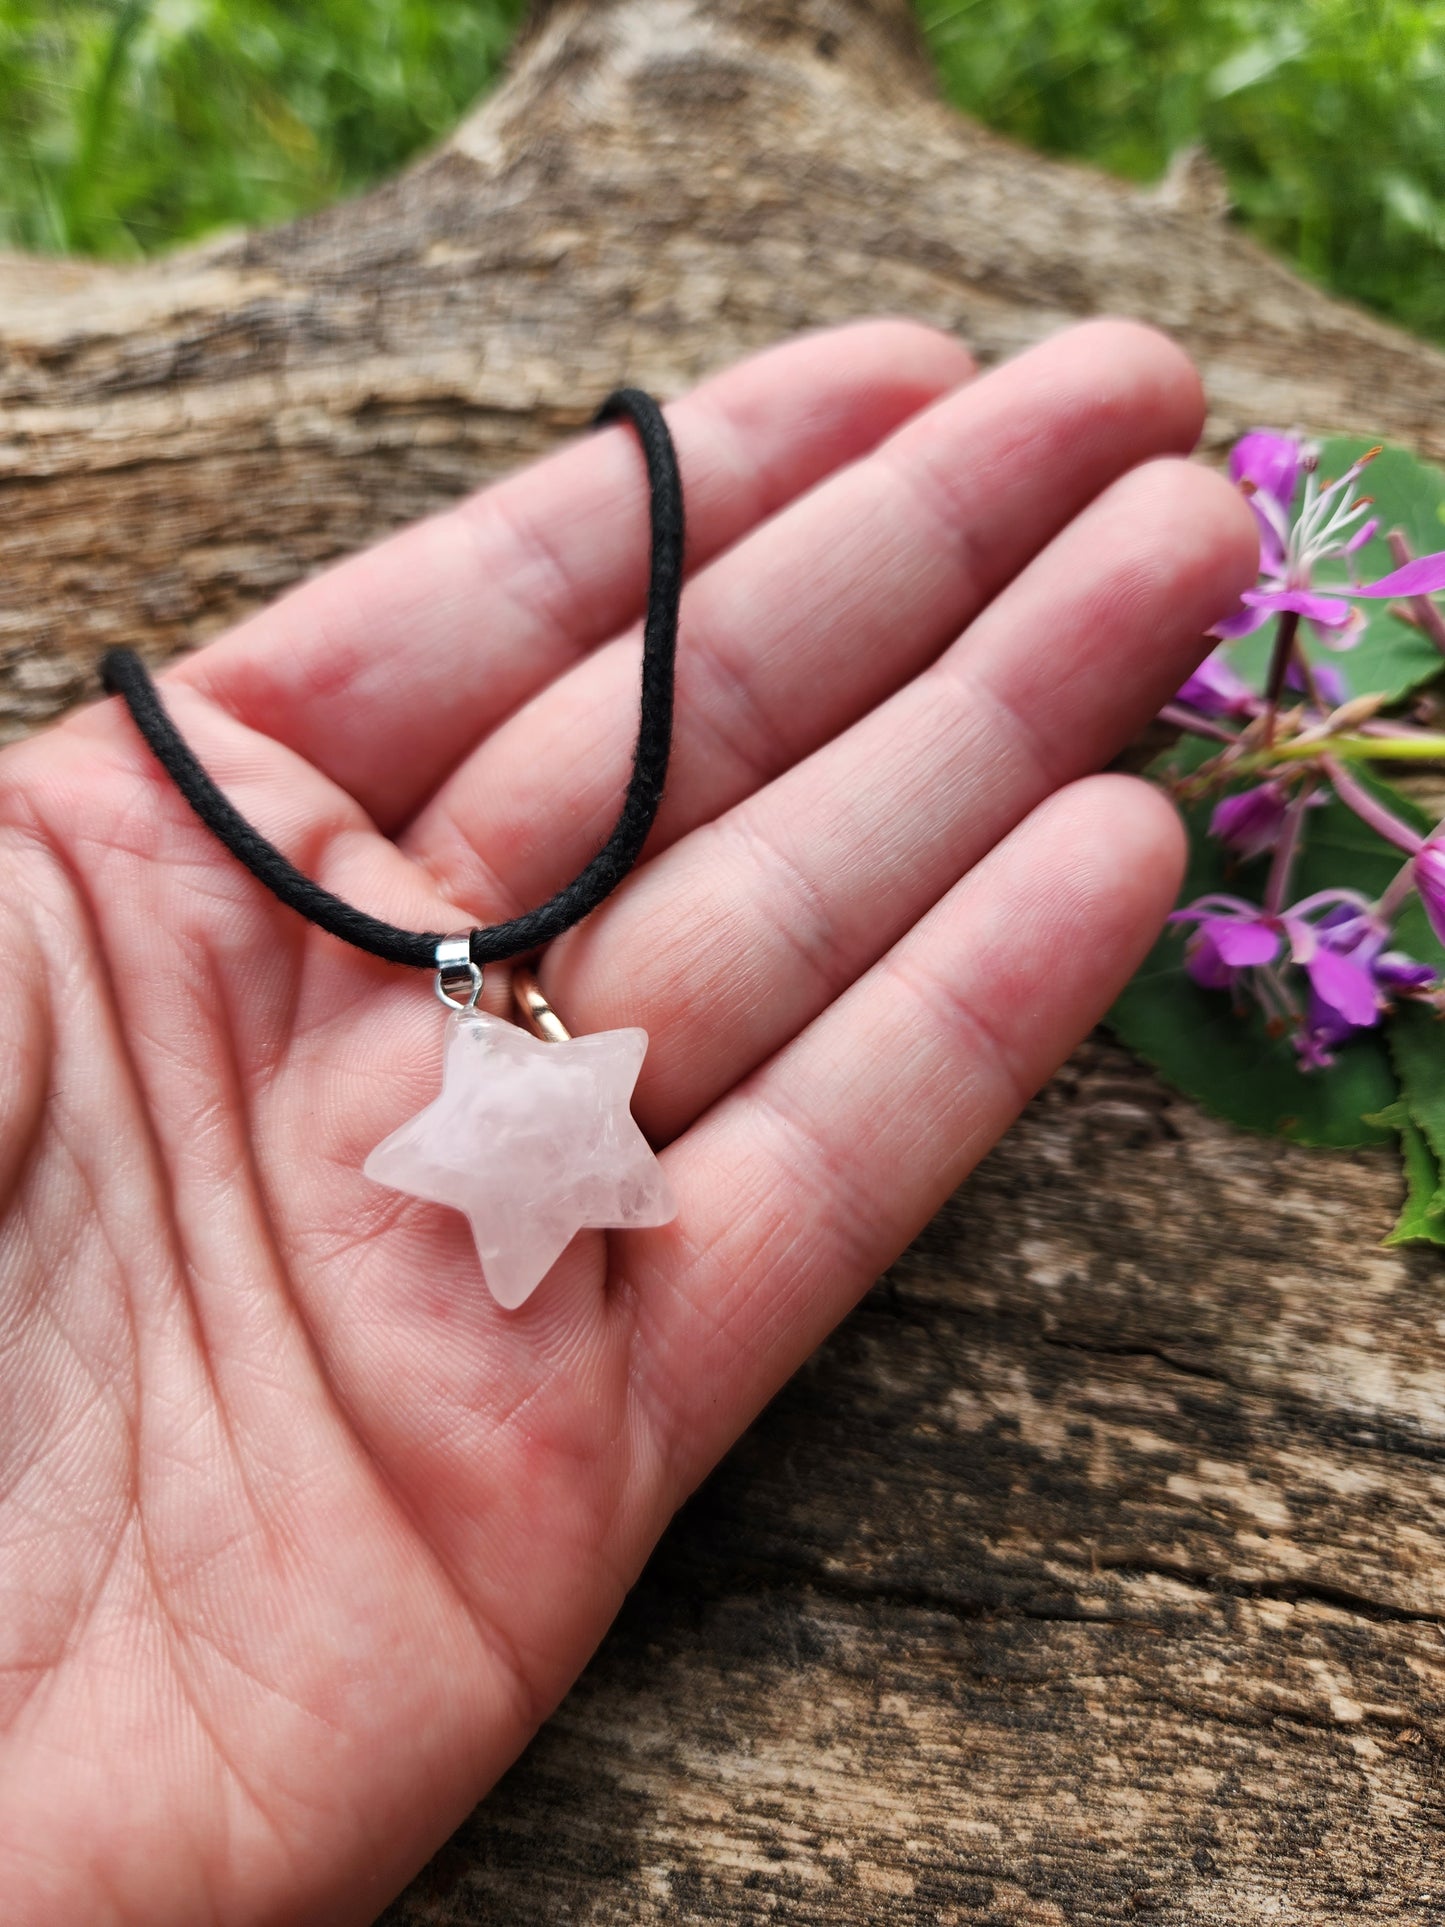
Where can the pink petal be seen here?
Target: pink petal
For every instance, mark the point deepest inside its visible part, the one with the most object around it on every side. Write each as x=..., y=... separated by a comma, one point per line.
x=1216, y=689
x=1423, y=576
x=1341, y=983
x=1244, y=623
x=1271, y=541
x=1430, y=882
x=1206, y=966
x=1242, y=944
x=1345, y=637
x=1362, y=535
x=1329, y=610
x=1250, y=822
x=1269, y=461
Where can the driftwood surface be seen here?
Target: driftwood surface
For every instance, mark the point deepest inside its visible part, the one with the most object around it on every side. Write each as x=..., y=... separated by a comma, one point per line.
x=1092, y=1572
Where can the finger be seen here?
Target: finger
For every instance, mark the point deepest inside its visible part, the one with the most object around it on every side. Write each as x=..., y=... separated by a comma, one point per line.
x=383, y=672
x=805, y=1183
x=819, y=614
x=736, y=937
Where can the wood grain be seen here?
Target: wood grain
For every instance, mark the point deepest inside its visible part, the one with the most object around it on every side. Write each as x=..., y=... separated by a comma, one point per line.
x=1092, y=1573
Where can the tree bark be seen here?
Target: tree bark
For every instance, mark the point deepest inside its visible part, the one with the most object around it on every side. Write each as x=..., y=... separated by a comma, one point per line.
x=1091, y=1574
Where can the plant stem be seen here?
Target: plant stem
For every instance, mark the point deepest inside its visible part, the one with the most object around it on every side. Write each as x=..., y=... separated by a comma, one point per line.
x=1399, y=888
x=1281, y=869
x=1180, y=718
x=1356, y=749
x=1423, y=612
x=1353, y=794
x=1307, y=677
x=1284, y=635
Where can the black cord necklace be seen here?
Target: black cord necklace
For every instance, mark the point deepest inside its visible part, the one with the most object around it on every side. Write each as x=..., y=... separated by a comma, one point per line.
x=123, y=674
x=531, y=1136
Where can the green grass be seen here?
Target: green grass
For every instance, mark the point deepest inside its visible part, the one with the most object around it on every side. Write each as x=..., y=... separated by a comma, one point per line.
x=129, y=125
x=1328, y=116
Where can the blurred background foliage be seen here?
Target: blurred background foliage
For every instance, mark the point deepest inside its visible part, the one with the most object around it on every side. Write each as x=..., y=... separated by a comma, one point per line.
x=1327, y=116
x=129, y=125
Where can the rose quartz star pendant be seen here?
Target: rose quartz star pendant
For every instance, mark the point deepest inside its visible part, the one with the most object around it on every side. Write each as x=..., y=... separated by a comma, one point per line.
x=532, y=1141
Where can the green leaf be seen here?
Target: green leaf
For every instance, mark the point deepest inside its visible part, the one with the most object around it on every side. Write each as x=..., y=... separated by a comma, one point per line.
x=1227, y=1060
x=1231, y=1065
x=1417, y=1046
x=1392, y=658
x=1419, y=1220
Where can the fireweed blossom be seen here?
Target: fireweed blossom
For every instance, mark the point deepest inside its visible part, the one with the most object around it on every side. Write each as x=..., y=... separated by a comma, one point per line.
x=1320, y=970
x=1323, y=969
x=1217, y=689
x=1251, y=822
x=1331, y=525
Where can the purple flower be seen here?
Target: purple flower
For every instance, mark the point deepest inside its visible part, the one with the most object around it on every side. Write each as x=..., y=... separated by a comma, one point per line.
x=1249, y=823
x=1339, y=953
x=1395, y=971
x=1267, y=465
x=1230, y=937
x=1336, y=939
x=1331, y=525
x=1217, y=690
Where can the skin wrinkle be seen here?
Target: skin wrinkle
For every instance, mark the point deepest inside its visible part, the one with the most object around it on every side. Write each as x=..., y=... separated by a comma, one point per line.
x=492, y=1637
x=949, y=532
x=279, y=1275
x=985, y=708
x=838, y=1190
x=543, y=610
x=739, y=1317
x=735, y=718
x=90, y=1592
x=1057, y=417
x=173, y=1638
x=1155, y=588
x=180, y=1275
x=860, y=381
x=812, y=937
x=531, y=1702
x=82, y=907
x=985, y=714
x=329, y=843
x=268, y=1062
x=180, y=1641
x=197, y=1636
x=767, y=502
x=534, y=1701
x=457, y=870
x=948, y=1008
x=48, y=1668
x=529, y=1705
x=1062, y=398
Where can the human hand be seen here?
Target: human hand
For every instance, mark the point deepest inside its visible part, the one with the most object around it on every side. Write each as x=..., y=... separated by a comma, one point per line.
x=300, y=1535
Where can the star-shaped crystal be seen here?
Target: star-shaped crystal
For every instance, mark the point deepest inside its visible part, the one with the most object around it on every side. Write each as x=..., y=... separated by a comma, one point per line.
x=532, y=1141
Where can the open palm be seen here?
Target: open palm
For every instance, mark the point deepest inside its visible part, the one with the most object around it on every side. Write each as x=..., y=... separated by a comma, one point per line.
x=300, y=1535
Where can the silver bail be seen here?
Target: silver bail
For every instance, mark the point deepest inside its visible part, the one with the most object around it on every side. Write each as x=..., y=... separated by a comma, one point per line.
x=456, y=971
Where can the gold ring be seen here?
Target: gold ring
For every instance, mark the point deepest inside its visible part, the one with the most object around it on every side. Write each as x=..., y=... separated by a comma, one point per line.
x=533, y=1008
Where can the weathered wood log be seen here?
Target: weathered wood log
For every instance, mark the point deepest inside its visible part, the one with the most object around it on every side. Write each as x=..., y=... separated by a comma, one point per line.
x=1091, y=1574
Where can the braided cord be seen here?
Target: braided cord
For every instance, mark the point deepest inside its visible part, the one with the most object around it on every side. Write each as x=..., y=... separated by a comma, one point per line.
x=123, y=674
